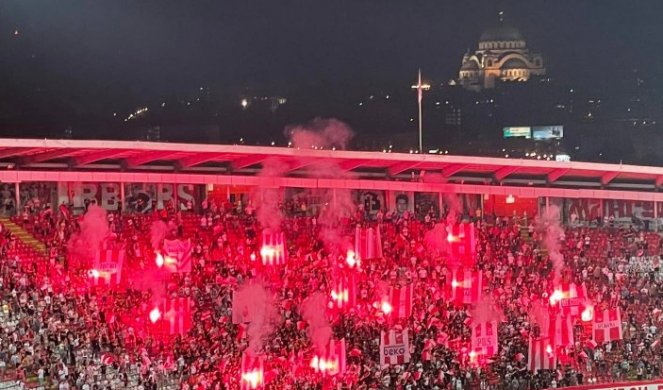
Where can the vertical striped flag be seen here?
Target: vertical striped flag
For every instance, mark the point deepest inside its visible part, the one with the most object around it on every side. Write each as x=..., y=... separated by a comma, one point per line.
x=177, y=315
x=108, y=267
x=251, y=371
x=344, y=292
x=332, y=360
x=560, y=330
x=400, y=301
x=465, y=286
x=394, y=347
x=573, y=298
x=273, y=250
x=368, y=243
x=541, y=354
x=484, y=338
x=177, y=255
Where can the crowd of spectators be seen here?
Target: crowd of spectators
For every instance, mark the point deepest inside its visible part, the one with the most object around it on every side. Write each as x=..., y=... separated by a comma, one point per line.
x=56, y=330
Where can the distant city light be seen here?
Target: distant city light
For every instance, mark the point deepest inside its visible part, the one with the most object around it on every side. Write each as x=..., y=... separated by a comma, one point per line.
x=139, y=112
x=244, y=103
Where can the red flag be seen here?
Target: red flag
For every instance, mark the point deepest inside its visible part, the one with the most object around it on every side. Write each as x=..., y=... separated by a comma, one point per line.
x=107, y=359
x=573, y=299
x=108, y=267
x=462, y=242
x=560, y=331
x=251, y=372
x=368, y=243
x=273, y=251
x=64, y=210
x=332, y=360
x=344, y=293
x=394, y=347
x=177, y=255
x=541, y=354
x=400, y=301
x=177, y=315
x=465, y=286
x=484, y=338
x=608, y=326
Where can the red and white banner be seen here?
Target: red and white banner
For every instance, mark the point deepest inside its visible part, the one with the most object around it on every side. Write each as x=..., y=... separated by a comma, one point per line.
x=251, y=372
x=177, y=255
x=462, y=241
x=344, y=292
x=541, y=354
x=400, y=301
x=560, y=331
x=332, y=360
x=368, y=243
x=273, y=250
x=394, y=347
x=484, y=338
x=107, y=269
x=465, y=286
x=176, y=314
x=607, y=326
x=573, y=298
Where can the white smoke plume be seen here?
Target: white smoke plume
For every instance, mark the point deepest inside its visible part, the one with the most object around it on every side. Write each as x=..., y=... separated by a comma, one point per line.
x=551, y=225
x=266, y=197
x=85, y=244
x=158, y=232
x=326, y=134
x=313, y=311
x=257, y=307
x=454, y=207
x=486, y=310
x=539, y=314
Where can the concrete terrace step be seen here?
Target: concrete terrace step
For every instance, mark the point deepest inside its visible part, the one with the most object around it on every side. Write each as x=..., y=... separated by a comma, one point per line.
x=23, y=235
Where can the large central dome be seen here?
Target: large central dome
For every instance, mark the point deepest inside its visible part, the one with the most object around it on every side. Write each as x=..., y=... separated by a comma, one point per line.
x=502, y=56
x=501, y=32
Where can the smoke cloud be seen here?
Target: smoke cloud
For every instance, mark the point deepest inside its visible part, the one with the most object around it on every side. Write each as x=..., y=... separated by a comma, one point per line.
x=436, y=239
x=256, y=305
x=158, y=232
x=85, y=244
x=325, y=133
x=313, y=312
x=486, y=310
x=539, y=314
x=551, y=225
x=451, y=200
x=266, y=197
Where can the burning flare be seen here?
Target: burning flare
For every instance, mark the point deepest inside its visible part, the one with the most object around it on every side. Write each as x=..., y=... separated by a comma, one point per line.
x=252, y=378
x=351, y=259
x=556, y=297
x=159, y=260
x=587, y=314
x=386, y=308
x=155, y=315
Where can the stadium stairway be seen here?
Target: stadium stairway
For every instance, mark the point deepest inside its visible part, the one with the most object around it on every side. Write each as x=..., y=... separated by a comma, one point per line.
x=23, y=235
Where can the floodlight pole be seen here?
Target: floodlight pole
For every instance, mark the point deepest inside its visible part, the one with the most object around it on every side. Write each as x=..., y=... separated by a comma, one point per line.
x=420, y=87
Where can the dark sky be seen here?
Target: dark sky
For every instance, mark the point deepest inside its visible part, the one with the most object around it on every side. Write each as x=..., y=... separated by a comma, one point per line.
x=152, y=47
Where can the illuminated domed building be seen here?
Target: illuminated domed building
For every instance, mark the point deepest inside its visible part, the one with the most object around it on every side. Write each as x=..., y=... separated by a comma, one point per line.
x=502, y=55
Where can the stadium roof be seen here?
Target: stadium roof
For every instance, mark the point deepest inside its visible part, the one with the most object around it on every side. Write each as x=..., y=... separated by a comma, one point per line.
x=69, y=160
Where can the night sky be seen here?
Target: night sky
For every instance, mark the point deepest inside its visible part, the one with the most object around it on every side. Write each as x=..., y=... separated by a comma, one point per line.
x=115, y=52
